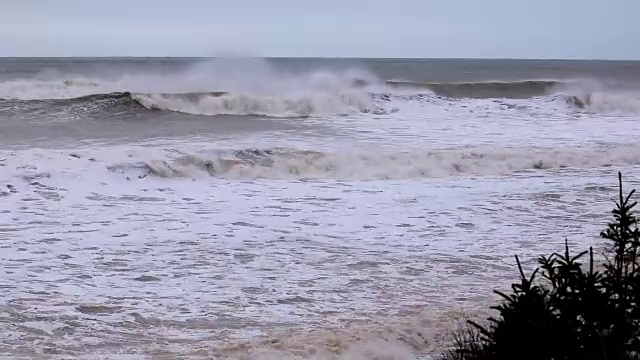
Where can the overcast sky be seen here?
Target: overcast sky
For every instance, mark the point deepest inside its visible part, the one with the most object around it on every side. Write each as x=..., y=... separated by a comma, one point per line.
x=341, y=28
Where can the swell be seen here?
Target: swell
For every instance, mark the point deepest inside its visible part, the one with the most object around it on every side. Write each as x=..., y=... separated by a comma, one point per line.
x=484, y=90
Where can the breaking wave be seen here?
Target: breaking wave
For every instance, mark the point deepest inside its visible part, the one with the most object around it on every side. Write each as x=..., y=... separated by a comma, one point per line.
x=259, y=91
x=220, y=87
x=343, y=103
x=279, y=163
x=223, y=103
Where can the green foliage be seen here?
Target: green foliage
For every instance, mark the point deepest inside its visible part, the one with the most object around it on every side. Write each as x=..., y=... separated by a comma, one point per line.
x=564, y=310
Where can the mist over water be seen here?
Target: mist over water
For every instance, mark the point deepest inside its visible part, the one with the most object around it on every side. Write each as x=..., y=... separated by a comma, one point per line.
x=254, y=208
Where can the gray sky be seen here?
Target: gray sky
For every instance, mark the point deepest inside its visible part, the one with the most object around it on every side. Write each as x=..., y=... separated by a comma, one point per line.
x=603, y=29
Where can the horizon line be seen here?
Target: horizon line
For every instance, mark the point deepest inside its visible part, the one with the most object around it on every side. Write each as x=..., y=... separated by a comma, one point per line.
x=315, y=57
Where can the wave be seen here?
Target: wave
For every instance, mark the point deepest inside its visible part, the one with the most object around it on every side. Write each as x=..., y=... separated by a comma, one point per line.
x=486, y=89
x=224, y=103
x=578, y=94
x=313, y=94
x=280, y=163
x=343, y=103
x=216, y=87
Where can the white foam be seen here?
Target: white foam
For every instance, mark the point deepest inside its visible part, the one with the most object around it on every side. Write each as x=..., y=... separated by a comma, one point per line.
x=326, y=270
x=611, y=102
x=374, y=164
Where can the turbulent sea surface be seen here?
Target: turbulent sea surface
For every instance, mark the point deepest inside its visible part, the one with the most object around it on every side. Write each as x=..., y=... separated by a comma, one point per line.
x=291, y=208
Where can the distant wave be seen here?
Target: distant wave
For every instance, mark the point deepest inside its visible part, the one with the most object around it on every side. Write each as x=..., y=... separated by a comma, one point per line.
x=485, y=89
x=581, y=95
x=277, y=163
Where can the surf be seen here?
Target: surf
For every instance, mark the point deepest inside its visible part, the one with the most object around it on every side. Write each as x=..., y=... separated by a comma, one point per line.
x=216, y=103
x=291, y=164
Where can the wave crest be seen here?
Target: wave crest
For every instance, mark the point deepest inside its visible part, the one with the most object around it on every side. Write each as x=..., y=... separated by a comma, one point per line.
x=222, y=103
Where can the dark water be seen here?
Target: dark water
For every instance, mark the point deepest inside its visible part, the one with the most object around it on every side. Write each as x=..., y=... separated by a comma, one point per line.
x=423, y=70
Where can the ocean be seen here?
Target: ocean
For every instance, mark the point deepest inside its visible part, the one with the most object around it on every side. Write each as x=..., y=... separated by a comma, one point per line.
x=251, y=208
